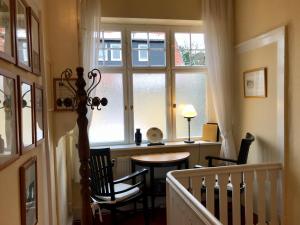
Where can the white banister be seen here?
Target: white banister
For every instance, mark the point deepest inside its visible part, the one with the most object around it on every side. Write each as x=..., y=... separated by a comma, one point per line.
x=186, y=189
x=223, y=181
x=261, y=199
x=236, y=205
x=248, y=182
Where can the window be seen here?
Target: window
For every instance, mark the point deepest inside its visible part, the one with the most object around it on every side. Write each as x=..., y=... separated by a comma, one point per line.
x=189, y=49
x=116, y=52
x=110, y=127
x=148, y=49
x=103, y=54
x=110, y=50
x=143, y=54
x=149, y=91
x=148, y=82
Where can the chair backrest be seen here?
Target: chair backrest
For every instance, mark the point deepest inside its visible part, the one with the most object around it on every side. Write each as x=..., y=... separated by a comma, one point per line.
x=101, y=173
x=244, y=148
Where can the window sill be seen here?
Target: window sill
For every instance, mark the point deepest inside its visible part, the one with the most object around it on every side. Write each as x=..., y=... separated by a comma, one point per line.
x=166, y=145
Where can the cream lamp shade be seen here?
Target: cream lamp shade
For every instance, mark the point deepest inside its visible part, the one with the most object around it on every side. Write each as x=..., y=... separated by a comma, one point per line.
x=189, y=111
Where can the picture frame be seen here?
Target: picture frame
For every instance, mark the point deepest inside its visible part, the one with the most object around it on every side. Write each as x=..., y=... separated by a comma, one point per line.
x=26, y=115
x=39, y=113
x=29, y=192
x=22, y=33
x=9, y=120
x=7, y=31
x=255, y=83
x=34, y=25
x=63, y=96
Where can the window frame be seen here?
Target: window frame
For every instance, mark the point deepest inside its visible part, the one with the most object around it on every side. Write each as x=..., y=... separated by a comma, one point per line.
x=127, y=69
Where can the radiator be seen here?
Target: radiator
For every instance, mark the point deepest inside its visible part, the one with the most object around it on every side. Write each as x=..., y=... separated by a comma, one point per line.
x=122, y=167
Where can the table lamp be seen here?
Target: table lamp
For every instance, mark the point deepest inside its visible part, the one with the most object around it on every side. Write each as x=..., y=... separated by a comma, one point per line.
x=189, y=112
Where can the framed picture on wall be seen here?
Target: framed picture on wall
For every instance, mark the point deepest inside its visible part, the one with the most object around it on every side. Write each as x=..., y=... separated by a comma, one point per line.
x=22, y=36
x=63, y=95
x=9, y=140
x=7, y=31
x=34, y=23
x=28, y=192
x=39, y=113
x=26, y=107
x=255, y=83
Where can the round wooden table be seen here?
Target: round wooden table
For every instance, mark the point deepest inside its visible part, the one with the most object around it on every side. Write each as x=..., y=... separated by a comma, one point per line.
x=159, y=160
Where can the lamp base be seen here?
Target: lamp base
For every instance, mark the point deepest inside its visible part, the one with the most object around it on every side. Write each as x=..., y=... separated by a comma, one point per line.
x=189, y=141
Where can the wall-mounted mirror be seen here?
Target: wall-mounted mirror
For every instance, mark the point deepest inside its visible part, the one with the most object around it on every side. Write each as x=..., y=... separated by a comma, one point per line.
x=35, y=42
x=22, y=37
x=8, y=119
x=39, y=115
x=26, y=106
x=7, y=31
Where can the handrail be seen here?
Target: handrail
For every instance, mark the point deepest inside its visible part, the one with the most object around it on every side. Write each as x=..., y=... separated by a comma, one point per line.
x=224, y=169
x=185, y=188
x=195, y=205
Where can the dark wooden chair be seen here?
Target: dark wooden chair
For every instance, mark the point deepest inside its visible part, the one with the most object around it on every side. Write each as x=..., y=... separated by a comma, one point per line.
x=112, y=194
x=242, y=159
x=243, y=153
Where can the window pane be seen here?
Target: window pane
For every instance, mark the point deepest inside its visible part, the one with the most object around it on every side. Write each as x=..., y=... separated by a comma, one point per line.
x=182, y=57
x=157, y=57
x=110, y=52
x=148, y=49
x=197, y=57
x=140, y=57
x=108, y=124
x=182, y=40
x=189, y=49
x=157, y=40
x=197, y=40
x=149, y=99
x=190, y=89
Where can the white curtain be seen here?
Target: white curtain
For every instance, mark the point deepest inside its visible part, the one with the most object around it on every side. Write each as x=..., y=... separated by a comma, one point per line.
x=89, y=36
x=217, y=18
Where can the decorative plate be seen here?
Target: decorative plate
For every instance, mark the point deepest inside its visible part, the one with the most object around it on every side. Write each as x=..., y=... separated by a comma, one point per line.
x=154, y=135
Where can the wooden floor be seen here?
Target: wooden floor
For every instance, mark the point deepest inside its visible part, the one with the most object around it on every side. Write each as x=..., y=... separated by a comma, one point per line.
x=158, y=217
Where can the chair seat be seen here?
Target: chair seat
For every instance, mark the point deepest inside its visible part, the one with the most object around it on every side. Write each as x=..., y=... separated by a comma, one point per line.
x=122, y=196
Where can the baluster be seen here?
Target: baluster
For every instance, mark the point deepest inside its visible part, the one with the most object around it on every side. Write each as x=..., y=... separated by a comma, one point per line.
x=236, y=206
x=196, y=187
x=261, y=197
x=273, y=197
x=223, y=181
x=248, y=180
x=210, y=193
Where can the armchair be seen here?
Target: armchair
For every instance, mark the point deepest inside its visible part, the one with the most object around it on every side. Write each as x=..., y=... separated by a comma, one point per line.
x=243, y=153
x=112, y=194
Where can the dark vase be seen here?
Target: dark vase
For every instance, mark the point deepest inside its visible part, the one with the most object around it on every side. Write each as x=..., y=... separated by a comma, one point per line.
x=138, y=137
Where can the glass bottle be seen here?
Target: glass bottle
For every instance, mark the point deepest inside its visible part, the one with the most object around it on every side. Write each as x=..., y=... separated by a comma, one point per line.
x=138, y=137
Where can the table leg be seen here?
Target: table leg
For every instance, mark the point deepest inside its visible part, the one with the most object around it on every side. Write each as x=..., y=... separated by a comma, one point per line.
x=186, y=163
x=152, y=187
x=133, y=179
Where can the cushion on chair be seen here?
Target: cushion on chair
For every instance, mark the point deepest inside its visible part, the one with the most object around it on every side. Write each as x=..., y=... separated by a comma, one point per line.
x=121, y=196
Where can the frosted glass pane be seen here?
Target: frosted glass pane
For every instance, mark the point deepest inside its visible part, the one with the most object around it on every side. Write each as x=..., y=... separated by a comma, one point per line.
x=108, y=124
x=190, y=89
x=149, y=99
